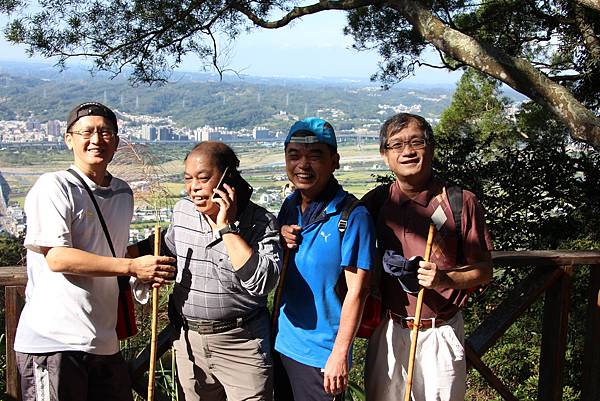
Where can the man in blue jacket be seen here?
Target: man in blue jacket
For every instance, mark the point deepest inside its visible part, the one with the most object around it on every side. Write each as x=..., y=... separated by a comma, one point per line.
x=316, y=325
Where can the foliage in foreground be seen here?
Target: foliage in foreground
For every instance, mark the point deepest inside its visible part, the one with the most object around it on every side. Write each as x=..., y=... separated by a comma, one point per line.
x=540, y=192
x=11, y=251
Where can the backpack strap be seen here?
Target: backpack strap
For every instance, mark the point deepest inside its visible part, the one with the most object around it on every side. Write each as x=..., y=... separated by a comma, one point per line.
x=98, y=212
x=349, y=203
x=455, y=198
x=377, y=197
x=123, y=281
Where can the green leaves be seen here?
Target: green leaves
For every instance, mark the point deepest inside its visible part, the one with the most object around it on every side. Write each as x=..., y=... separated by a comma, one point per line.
x=12, y=252
x=149, y=36
x=15, y=31
x=533, y=182
x=9, y=6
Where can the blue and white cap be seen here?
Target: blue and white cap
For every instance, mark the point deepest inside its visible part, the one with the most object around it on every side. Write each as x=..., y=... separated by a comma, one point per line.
x=319, y=130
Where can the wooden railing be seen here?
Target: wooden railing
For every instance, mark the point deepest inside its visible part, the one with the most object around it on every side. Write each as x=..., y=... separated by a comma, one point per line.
x=551, y=275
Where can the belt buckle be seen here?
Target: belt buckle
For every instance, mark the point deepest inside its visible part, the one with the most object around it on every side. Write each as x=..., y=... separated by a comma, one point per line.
x=410, y=323
x=423, y=324
x=218, y=326
x=200, y=327
x=211, y=328
x=205, y=327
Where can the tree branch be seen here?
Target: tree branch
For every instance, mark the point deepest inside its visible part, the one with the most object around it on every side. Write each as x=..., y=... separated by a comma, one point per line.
x=446, y=64
x=587, y=32
x=567, y=78
x=449, y=15
x=517, y=73
x=153, y=35
x=438, y=67
x=553, y=66
x=592, y=4
x=215, y=55
x=553, y=20
x=298, y=12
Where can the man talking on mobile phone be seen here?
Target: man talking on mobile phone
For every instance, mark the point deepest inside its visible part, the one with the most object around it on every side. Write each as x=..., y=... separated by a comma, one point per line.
x=228, y=259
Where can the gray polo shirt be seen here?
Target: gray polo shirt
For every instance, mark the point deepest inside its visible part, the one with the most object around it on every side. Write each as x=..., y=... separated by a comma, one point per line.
x=207, y=287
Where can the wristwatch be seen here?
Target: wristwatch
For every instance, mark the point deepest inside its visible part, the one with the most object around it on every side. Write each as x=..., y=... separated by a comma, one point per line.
x=229, y=228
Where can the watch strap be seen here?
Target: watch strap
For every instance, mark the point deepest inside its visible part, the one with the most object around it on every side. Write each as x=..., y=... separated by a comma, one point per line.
x=229, y=228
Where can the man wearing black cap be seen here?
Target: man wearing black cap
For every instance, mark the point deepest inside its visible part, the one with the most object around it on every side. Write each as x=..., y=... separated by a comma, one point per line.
x=66, y=344
x=316, y=326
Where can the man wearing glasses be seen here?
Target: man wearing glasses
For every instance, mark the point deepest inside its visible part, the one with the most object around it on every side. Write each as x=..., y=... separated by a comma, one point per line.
x=66, y=344
x=404, y=214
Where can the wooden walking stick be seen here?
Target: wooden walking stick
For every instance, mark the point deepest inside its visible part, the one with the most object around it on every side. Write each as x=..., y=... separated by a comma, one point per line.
x=279, y=290
x=417, y=321
x=152, y=368
x=281, y=386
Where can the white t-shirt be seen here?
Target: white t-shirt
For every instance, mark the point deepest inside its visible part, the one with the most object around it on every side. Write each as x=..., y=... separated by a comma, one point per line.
x=65, y=311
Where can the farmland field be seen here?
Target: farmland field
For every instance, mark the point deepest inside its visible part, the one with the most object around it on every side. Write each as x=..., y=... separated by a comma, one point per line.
x=262, y=166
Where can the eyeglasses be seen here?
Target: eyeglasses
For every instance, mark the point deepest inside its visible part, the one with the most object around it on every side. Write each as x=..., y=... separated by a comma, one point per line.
x=87, y=134
x=415, y=143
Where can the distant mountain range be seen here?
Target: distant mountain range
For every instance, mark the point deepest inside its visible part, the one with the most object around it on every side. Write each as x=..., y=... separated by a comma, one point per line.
x=39, y=91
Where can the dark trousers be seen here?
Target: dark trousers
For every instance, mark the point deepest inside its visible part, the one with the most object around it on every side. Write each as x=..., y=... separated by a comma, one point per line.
x=306, y=382
x=282, y=386
x=74, y=376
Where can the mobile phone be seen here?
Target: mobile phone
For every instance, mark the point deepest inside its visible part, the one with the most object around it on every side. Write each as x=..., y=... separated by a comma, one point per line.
x=220, y=185
x=243, y=190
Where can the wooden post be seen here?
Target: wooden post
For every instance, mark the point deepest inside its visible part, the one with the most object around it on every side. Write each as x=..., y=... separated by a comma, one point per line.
x=512, y=306
x=14, y=299
x=554, y=337
x=591, y=350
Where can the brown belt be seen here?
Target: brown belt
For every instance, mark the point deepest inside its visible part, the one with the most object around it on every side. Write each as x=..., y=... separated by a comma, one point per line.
x=409, y=322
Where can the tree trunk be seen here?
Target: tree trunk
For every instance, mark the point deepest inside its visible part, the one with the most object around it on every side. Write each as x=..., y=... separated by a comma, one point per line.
x=593, y=4
x=517, y=73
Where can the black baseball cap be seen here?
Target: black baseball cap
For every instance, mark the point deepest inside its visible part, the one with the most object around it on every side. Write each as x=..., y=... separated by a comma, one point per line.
x=91, y=109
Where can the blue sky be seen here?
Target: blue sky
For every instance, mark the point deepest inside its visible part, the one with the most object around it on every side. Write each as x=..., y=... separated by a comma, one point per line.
x=314, y=46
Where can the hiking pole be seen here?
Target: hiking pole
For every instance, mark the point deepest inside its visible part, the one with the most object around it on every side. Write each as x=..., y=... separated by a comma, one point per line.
x=152, y=368
x=281, y=385
x=279, y=290
x=417, y=320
